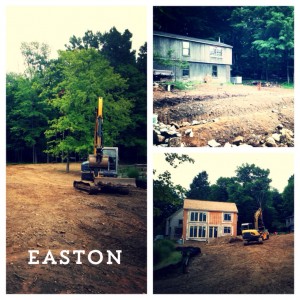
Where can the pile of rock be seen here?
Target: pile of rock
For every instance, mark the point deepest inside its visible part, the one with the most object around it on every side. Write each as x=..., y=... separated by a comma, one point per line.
x=166, y=135
x=169, y=136
x=281, y=137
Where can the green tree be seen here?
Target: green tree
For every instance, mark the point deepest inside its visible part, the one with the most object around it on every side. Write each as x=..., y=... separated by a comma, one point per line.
x=167, y=196
x=171, y=61
x=26, y=115
x=264, y=34
x=36, y=57
x=142, y=59
x=200, y=187
x=116, y=47
x=86, y=76
x=288, y=198
x=219, y=191
x=254, y=180
x=175, y=159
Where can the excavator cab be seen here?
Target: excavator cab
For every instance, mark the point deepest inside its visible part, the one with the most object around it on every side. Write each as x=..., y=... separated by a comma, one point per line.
x=108, y=170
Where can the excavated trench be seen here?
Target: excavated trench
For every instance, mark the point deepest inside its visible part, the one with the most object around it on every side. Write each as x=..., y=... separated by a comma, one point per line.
x=187, y=108
x=227, y=114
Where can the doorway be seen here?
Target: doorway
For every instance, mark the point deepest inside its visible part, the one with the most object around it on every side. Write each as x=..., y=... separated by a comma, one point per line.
x=213, y=231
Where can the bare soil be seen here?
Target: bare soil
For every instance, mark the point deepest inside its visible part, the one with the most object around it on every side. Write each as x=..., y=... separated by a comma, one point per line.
x=232, y=268
x=45, y=212
x=227, y=110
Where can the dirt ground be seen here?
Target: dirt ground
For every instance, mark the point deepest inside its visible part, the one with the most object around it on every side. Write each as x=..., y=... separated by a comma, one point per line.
x=226, y=111
x=232, y=268
x=45, y=212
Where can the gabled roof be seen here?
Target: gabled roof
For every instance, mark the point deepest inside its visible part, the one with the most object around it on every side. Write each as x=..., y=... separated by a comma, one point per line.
x=190, y=39
x=210, y=205
x=179, y=211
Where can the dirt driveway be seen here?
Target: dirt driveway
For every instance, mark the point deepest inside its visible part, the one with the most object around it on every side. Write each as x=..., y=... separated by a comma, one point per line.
x=45, y=212
x=232, y=268
x=225, y=112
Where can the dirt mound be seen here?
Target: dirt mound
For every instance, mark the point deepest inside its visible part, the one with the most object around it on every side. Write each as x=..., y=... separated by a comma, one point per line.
x=224, y=112
x=224, y=240
x=232, y=268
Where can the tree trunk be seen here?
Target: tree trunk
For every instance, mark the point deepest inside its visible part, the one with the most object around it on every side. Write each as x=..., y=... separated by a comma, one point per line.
x=287, y=71
x=34, y=155
x=68, y=163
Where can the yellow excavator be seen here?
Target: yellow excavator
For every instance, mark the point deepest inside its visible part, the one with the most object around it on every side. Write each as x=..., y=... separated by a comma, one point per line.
x=99, y=174
x=257, y=233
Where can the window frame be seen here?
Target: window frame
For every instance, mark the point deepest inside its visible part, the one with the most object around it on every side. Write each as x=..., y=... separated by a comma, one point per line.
x=214, y=73
x=186, y=48
x=201, y=216
x=198, y=231
x=227, y=227
x=186, y=70
x=225, y=220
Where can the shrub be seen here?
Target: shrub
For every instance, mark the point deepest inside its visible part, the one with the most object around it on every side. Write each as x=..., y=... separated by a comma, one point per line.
x=162, y=249
x=132, y=172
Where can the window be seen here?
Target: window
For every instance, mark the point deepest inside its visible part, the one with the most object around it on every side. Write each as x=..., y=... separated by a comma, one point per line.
x=185, y=72
x=180, y=222
x=202, y=231
x=214, y=72
x=197, y=216
x=197, y=231
x=186, y=48
x=193, y=231
x=194, y=217
x=227, y=230
x=216, y=52
x=202, y=217
x=227, y=217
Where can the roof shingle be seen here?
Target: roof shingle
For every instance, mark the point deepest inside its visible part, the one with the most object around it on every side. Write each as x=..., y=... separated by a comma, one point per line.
x=210, y=205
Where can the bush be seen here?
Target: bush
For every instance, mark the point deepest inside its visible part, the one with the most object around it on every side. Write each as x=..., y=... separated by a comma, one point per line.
x=182, y=85
x=162, y=249
x=132, y=172
x=287, y=85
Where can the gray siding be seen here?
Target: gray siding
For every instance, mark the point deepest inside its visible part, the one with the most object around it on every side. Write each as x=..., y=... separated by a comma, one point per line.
x=201, y=57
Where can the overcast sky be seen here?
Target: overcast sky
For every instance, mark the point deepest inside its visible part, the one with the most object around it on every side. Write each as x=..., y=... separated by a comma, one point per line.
x=281, y=166
x=54, y=25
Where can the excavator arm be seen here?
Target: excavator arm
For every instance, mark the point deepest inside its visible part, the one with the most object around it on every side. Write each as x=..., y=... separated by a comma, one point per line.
x=257, y=217
x=98, y=159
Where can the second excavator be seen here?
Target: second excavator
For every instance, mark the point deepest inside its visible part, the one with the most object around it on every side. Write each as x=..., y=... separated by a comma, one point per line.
x=258, y=233
x=99, y=174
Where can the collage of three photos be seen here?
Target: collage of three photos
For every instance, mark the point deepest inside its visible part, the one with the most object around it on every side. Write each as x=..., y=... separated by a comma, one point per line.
x=195, y=195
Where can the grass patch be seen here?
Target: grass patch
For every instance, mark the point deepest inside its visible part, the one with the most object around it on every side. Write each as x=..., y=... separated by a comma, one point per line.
x=164, y=254
x=286, y=85
x=173, y=259
x=183, y=85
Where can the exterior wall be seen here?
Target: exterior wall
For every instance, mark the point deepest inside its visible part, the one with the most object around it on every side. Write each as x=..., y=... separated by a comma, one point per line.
x=289, y=222
x=201, y=57
x=173, y=224
x=185, y=222
x=214, y=224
